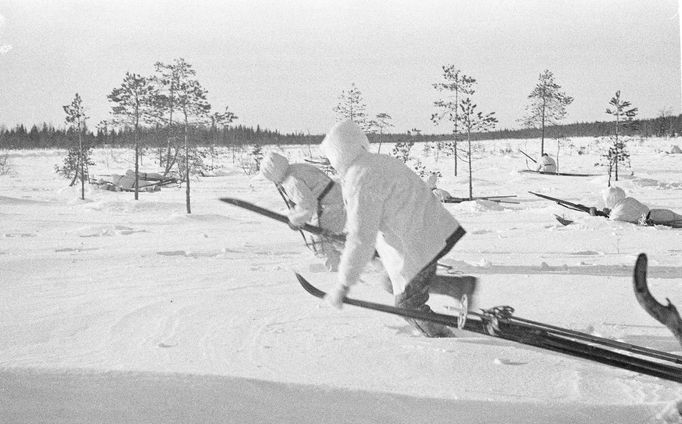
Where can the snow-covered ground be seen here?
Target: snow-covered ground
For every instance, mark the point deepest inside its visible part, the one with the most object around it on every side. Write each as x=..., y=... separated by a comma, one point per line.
x=121, y=311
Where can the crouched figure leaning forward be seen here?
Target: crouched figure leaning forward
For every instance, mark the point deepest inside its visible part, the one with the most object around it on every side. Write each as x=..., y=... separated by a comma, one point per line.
x=313, y=197
x=390, y=209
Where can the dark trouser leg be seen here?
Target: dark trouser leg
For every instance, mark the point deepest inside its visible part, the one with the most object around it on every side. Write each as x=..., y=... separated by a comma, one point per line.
x=415, y=296
x=455, y=286
x=665, y=217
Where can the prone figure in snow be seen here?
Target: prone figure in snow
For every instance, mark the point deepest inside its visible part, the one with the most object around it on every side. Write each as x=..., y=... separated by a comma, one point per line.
x=620, y=207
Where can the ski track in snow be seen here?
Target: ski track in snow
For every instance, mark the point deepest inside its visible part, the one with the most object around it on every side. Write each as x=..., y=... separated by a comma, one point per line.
x=205, y=306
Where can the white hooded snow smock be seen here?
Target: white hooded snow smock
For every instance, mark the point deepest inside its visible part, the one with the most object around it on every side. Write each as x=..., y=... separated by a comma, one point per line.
x=388, y=208
x=626, y=209
x=303, y=184
x=440, y=194
x=547, y=164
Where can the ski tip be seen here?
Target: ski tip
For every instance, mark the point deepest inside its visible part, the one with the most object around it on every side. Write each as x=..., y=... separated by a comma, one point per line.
x=309, y=287
x=238, y=202
x=563, y=220
x=641, y=267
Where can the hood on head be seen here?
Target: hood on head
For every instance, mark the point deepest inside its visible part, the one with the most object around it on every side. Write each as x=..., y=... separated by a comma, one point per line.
x=274, y=167
x=343, y=143
x=432, y=181
x=613, y=195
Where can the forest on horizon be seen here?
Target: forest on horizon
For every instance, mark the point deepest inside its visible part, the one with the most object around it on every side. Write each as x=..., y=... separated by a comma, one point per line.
x=47, y=136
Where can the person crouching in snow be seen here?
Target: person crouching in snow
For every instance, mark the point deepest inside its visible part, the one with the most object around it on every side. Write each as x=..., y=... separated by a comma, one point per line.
x=620, y=207
x=313, y=197
x=391, y=209
x=547, y=164
x=440, y=194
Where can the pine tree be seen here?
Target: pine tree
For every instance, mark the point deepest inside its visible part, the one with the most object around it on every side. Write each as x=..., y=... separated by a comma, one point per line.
x=456, y=84
x=624, y=114
x=130, y=102
x=164, y=104
x=380, y=123
x=473, y=121
x=352, y=106
x=401, y=150
x=220, y=121
x=78, y=157
x=192, y=104
x=547, y=105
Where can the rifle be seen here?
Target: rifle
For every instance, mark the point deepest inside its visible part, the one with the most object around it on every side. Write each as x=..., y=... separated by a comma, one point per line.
x=569, y=205
x=290, y=205
x=528, y=156
x=313, y=229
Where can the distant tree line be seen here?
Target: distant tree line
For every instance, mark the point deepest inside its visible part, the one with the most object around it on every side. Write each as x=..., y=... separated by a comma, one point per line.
x=46, y=136
x=664, y=126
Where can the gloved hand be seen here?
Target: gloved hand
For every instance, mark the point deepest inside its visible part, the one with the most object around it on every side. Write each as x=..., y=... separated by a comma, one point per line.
x=295, y=227
x=296, y=222
x=336, y=295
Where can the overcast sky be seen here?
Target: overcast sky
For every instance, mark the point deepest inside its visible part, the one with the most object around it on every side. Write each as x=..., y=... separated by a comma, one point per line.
x=282, y=64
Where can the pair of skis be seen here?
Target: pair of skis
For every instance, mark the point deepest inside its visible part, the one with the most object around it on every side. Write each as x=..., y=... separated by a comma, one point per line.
x=497, y=199
x=565, y=174
x=560, y=174
x=500, y=322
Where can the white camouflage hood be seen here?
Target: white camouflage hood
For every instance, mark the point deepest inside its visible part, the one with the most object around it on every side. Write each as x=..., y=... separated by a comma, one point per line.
x=342, y=144
x=274, y=167
x=613, y=195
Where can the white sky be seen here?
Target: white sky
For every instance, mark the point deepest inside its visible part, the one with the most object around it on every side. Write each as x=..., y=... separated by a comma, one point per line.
x=282, y=64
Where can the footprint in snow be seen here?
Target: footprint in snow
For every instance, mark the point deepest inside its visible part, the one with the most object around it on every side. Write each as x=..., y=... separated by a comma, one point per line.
x=76, y=249
x=503, y=361
x=108, y=231
x=23, y=235
x=587, y=253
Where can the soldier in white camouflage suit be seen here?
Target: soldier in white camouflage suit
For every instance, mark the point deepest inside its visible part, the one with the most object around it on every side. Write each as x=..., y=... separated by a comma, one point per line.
x=391, y=209
x=313, y=197
x=620, y=207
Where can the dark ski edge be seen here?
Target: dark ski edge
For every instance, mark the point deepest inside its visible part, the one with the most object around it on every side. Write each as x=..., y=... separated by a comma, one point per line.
x=527, y=334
